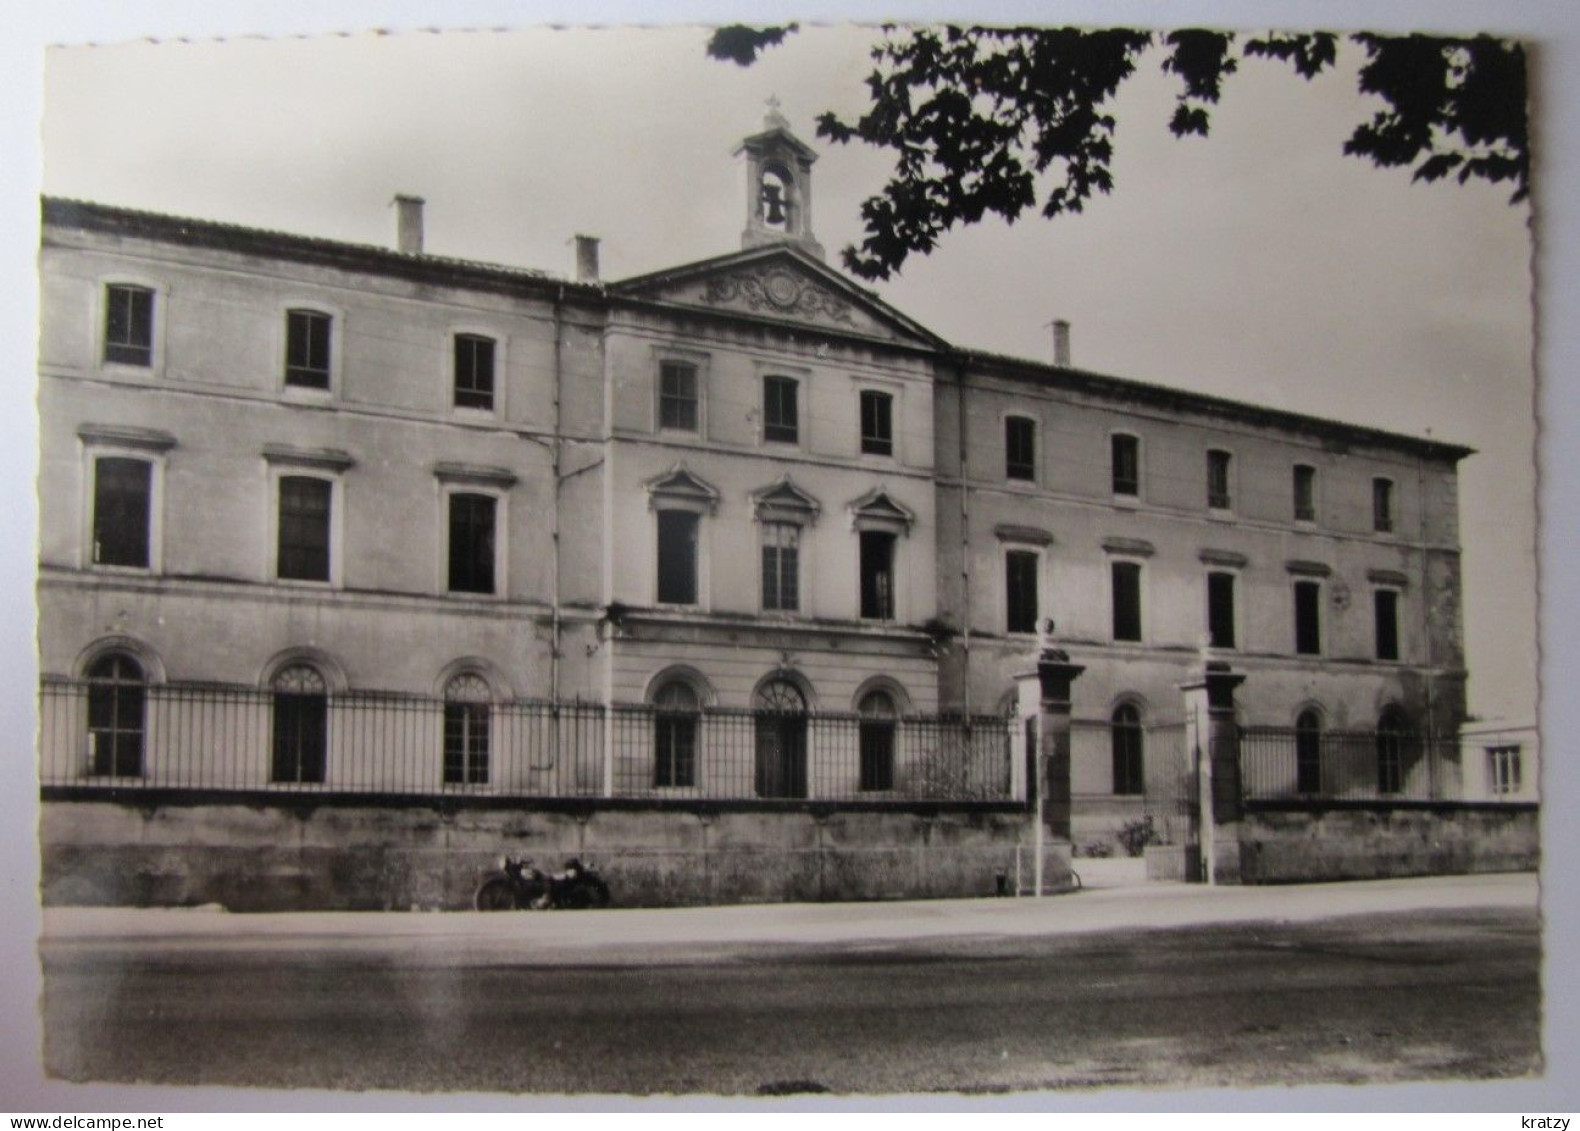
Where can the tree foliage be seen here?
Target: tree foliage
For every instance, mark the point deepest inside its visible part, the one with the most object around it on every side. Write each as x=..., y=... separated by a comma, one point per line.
x=997, y=120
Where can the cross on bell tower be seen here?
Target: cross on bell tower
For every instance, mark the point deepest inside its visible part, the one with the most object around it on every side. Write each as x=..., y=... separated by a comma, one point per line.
x=778, y=186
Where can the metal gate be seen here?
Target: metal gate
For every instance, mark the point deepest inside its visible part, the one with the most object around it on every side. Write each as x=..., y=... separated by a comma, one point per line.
x=1171, y=788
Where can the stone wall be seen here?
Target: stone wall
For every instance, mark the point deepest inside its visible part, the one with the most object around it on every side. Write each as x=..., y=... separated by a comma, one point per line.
x=305, y=854
x=1297, y=844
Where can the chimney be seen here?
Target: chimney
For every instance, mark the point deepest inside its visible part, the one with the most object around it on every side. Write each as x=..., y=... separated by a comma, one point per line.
x=408, y=224
x=586, y=259
x=1061, y=343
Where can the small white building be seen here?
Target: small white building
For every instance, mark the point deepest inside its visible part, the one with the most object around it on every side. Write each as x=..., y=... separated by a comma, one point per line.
x=1501, y=760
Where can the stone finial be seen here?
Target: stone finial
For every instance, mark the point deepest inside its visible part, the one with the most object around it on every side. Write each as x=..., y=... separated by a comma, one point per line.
x=1046, y=648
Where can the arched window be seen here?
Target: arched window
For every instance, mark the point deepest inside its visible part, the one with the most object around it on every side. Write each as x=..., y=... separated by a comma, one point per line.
x=1308, y=752
x=676, y=714
x=781, y=739
x=301, y=724
x=466, y=725
x=1129, y=765
x=877, y=713
x=117, y=697
x=1392, y=738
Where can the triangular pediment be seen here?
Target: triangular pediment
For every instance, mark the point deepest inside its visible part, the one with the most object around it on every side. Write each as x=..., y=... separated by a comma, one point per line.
x=679, y=487
x=876, y=508
x=783, y=500
x=783, y=284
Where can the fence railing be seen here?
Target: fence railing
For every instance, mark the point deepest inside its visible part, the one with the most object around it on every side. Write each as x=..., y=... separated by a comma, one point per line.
x=1153, y=763
x=1279, y=763
x=130, y=736
x=119, y=735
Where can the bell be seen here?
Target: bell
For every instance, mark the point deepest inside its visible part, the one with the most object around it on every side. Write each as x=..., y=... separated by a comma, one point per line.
x=775, y=205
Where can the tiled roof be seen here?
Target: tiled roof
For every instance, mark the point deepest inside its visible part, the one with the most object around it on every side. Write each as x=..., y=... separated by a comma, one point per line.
x=94, y=217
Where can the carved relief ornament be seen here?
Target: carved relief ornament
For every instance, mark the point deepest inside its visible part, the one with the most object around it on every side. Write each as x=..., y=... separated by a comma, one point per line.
x=779, y=292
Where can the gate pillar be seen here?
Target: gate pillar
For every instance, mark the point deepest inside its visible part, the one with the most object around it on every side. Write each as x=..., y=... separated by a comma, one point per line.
x=1212, y=739
x=1044, y=717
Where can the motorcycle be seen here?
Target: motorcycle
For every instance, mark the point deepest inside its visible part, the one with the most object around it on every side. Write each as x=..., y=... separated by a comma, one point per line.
x=577, y=886
x=518, y=886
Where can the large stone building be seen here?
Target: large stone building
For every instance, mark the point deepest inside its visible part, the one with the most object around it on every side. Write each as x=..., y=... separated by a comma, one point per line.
x=298, y=472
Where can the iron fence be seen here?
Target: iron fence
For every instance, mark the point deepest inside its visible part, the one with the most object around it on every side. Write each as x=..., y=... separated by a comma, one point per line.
x=120, y=735
x=1279, y=763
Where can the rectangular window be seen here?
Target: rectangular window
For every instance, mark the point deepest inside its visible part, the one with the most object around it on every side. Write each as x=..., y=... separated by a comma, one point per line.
x=1129, y=756
x=677, y=396
x=1308, y=755
x=128, y=325
x=1020, y=591
x=472, y=543
x=1127, y=601
x=117, y=704
x=474, y=372
x=307, y=349
x=877, y=423
x=1220, y=609
x=1390, y=761
x=304, y=528
x=1503, y=769
x=1382, y=505
x=466, y=743
x=122, y=490
x=877, y=575
x=675, y=749
x=875, y=741
x=1218, y=480
x=1126, y=465
x=677, y=558
x=1308, y=618
x=300, y=737
x=1305, y=493
x=781, y=552
x=781, y=421
x=1386, y=604
x=1020, y=448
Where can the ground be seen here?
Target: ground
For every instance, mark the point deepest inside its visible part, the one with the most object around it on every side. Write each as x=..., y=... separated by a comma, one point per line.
x=1179, y=987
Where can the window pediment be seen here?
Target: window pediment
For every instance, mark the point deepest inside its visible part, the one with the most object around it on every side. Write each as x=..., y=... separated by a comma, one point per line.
x=1025, y=535
x=1223, y=558
x=1135, y=547
x=679, y=489
x=125, y=436
x=322, y=459
x=876, y=510
x=1388, y=577
x=481, y=475
x=783, y=501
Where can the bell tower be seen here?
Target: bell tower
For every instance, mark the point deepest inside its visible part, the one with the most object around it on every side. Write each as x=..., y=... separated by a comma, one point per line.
x=778, y=186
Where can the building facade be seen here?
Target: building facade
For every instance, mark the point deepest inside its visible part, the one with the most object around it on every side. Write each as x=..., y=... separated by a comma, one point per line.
x=297, y=471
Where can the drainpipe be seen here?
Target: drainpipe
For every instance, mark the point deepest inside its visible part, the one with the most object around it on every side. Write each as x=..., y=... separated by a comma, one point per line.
x=965, y=542
x=606, y=547
x=554, y=532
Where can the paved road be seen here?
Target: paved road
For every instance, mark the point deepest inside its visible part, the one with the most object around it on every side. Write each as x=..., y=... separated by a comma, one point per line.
x=1392, y=996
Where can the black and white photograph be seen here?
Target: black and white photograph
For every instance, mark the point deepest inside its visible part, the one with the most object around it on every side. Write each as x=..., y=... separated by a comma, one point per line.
x=787, y=561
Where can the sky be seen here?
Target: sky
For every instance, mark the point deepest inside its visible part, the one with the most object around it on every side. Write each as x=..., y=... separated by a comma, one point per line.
x=1258, y=263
